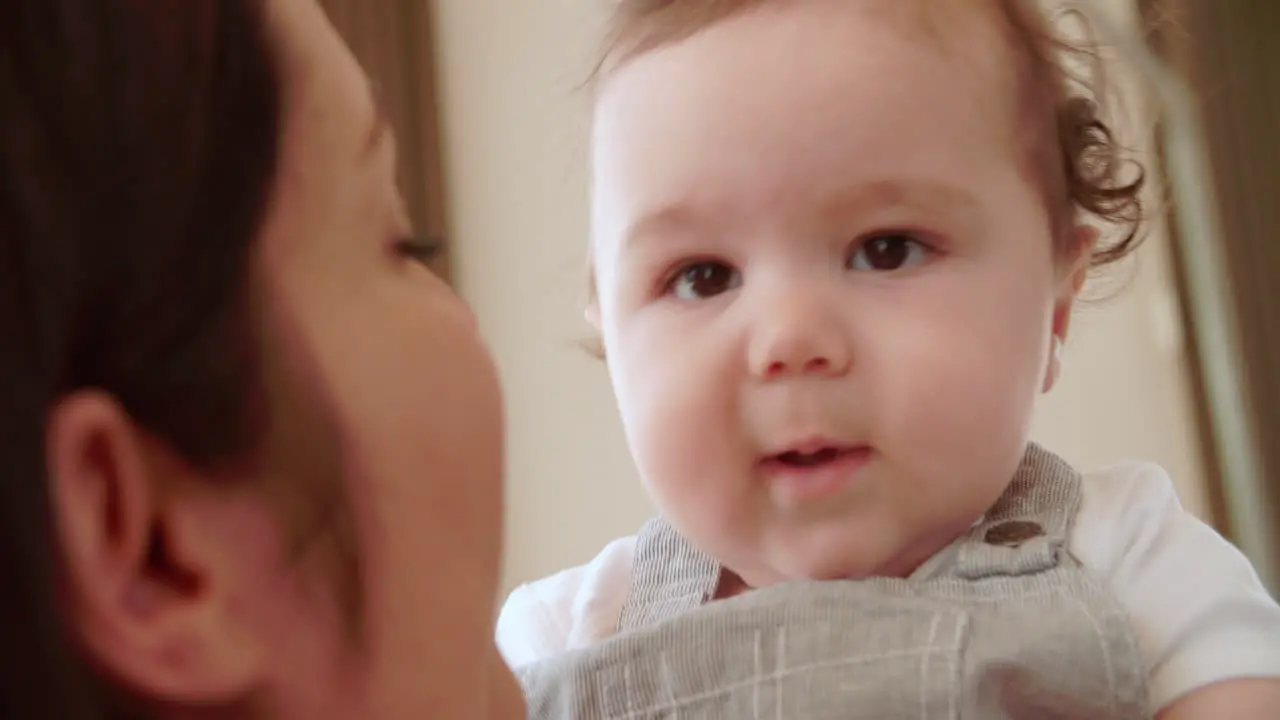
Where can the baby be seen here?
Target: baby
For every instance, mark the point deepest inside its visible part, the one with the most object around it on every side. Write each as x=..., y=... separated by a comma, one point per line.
x=836, y=245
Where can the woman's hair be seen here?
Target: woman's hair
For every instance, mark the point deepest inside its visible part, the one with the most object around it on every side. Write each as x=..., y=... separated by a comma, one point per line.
x=1070, y=150
x=138, y=150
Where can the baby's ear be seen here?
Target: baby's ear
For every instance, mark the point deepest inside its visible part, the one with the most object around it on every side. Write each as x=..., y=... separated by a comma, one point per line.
x=1079, y=257
x=592, y=314
x=593, y=345
x=1076, y=263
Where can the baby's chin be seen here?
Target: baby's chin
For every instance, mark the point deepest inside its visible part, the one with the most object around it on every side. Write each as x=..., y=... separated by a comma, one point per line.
x=840, y=553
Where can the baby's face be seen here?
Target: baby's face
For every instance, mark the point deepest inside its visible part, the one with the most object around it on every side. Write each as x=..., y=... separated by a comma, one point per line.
x=812, y=233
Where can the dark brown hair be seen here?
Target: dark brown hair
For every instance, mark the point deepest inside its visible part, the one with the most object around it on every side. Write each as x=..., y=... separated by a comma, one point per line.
x=1071, y=151
x=138, y=148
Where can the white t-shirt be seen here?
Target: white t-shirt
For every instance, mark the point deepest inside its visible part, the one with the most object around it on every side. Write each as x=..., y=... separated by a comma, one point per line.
x=1197, y=606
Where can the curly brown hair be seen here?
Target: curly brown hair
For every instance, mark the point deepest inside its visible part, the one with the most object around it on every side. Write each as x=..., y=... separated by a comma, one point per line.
x=1072, y=153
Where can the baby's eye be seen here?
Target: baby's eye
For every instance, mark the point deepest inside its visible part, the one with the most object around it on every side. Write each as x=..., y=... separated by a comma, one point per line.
x=703, y=280
x=888, y=252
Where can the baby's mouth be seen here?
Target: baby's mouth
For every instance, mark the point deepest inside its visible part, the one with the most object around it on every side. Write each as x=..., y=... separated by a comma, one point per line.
x=812, y=471
x=815, y=456
x=798, y=459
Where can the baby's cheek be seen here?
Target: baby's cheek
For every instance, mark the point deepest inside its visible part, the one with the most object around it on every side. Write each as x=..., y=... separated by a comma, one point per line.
x=688, y=445
x=948, y=408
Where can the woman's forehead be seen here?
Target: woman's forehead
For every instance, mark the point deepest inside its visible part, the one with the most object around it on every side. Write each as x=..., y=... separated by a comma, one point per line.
x=328, y=166
x=326, y=91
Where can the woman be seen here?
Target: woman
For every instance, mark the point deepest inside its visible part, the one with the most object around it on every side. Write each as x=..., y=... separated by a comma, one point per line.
x=251, y=446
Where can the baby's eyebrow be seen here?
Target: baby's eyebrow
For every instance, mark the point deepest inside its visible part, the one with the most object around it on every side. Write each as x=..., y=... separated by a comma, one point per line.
x=686, y=218
x=676, y=218
x=924, y=194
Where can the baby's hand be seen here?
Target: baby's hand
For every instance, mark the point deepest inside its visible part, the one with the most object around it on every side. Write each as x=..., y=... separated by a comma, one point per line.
x=1017, y=693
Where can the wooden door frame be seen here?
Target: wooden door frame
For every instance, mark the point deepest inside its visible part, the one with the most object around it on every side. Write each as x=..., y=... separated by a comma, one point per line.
x=1225, y=53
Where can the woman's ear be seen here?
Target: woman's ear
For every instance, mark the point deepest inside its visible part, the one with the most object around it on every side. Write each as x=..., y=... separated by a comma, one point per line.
x=149, y=582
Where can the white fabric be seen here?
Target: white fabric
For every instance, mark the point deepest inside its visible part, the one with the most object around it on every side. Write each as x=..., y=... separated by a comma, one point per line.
x=1199, y=609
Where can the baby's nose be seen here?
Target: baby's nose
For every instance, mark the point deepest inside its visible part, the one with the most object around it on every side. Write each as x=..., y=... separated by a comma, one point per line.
x=793, y=342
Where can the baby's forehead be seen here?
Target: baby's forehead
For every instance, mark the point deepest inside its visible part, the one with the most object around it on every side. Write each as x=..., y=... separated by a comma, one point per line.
x=992, y=62
x=984, y=39
x=952, y=25
x=845, y=51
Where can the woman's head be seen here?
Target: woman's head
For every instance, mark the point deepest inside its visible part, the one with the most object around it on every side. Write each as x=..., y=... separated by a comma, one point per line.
x=835, y=243
x=252, y=445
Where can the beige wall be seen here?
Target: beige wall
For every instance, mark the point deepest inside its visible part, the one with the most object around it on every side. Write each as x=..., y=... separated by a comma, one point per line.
x=514, y=126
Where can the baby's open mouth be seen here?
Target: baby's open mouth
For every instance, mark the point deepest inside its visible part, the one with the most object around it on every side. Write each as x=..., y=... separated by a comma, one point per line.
x=815, y=457
x=795, y=458
x=813, y=470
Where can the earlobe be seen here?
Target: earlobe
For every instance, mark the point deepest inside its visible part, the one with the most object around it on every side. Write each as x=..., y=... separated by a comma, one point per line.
x=143, y=582
x=1054, y=368
x=1084, y=242
x=1076, y=267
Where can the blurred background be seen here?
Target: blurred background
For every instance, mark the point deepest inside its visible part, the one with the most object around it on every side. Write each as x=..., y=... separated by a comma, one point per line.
x=1175, y=360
